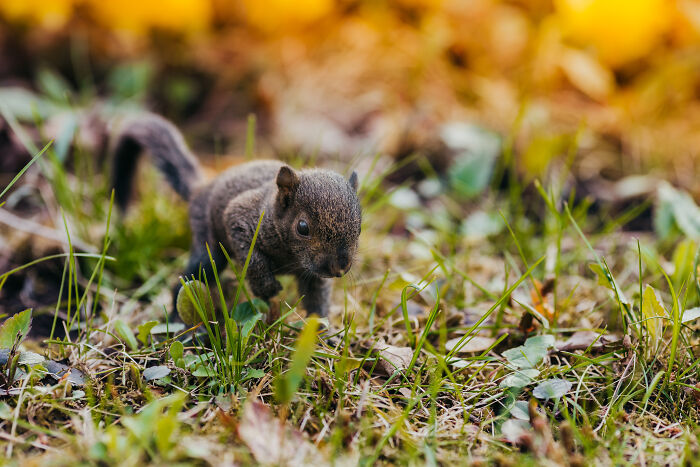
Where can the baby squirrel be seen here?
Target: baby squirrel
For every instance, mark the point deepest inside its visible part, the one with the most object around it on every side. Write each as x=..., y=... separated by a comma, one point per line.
x=310, y=228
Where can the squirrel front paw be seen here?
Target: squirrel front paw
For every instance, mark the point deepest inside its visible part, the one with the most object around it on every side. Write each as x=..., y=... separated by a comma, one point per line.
x=265, y=289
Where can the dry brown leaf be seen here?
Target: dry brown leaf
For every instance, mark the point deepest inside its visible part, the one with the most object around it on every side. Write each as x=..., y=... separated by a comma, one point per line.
x=540, y=302
x=587, y=74
x=582, y=340
x=393, y=358
x=470, y=345
x=273, y=442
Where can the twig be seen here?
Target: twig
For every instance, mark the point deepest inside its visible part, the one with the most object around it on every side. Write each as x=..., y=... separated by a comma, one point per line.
x=35, y=228
x=625, y=373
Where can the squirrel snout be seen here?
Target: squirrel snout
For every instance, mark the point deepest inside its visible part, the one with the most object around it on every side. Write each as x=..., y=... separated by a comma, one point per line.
x=336, y=267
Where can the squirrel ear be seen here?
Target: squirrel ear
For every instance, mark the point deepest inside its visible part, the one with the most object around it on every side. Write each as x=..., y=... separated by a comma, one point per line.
x=287, y=183
x=353, y=180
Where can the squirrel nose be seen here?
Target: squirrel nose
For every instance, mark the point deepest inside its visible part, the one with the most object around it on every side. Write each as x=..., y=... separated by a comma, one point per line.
x=344, y=264
x=344, y=261
x=335, y=268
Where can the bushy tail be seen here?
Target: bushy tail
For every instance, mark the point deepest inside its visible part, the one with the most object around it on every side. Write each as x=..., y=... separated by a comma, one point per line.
x=166, y=147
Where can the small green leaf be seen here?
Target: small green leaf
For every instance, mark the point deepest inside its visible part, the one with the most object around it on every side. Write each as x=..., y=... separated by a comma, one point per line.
x=125, y=333
x=5, y=411
x=603, y=278
x=652, y=311
x=677, y=208
x=204, y=371
x=145, y=329
x=520, y=410
x=53, y=85
x=531, y=353
x=245, y=315
x=15, y=329
x=552, y=388
x=520, y=379
x=286, y=385
x=130, y=80
x=545, y=342
x=522, y=357
x=253, y=373
x=176, y=350
x=684, y=262
x=471, y=174
x=608, y=281
x=476, y=152
x=191, y=360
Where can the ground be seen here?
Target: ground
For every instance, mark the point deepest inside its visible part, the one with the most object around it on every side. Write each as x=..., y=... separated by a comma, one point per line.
x=524, y=325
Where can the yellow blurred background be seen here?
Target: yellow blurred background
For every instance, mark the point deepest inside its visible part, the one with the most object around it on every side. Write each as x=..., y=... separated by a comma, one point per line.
x=354, y=76
x=614, y=32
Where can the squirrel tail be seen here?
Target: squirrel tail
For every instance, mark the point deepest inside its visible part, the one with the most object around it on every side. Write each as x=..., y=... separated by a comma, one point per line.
x=167, y=149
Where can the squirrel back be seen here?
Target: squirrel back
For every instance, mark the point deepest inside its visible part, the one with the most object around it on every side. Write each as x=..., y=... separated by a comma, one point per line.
x=167, y=148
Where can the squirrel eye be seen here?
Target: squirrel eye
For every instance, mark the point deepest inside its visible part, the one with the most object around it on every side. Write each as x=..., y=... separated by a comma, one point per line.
x=303, y=228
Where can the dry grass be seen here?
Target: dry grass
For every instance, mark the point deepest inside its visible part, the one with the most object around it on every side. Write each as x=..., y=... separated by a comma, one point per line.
x=386, y=382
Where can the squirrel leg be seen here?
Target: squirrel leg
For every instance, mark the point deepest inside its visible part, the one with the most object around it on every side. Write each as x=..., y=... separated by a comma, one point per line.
x=240, y=232
x=260, y=277
x=317, y=295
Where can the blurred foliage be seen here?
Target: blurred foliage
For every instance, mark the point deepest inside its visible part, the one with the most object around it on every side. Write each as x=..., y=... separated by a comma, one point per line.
x=620, y=31
x=131, y=16
x=356, y=77
x=613, y=33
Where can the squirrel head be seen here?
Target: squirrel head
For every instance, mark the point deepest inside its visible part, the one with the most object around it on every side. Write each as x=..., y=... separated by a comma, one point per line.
x=319, y=217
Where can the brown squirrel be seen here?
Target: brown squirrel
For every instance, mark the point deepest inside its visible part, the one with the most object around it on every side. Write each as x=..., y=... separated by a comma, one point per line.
x=311, y=221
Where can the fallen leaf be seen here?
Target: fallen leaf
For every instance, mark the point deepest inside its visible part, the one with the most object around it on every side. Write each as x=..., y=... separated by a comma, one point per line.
x=393, y=358
x=581, y=340
x=514, y=430
x=587, y=74
x=155, y=372
x=171, y=328
x=553, y=388
x=538, y=295
x=30, y=358
x=691, y=315
x=470, y=345
x=58, y=371
x=273, y=442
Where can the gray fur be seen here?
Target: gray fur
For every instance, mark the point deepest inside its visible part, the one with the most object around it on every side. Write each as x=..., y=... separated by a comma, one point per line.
x=227, y=209
x=167, y=148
